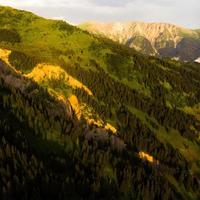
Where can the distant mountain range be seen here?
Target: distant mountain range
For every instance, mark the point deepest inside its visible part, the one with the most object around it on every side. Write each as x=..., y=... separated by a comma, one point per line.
x=161, y=39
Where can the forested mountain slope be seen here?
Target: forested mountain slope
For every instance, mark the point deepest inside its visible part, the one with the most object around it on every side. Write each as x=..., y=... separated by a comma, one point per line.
x=161, y=39
x=97, y=119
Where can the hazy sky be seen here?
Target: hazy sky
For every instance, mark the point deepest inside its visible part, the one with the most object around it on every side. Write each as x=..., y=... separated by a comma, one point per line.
x=181, y=12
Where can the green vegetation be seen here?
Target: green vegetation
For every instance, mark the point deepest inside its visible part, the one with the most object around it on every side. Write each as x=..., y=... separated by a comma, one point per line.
x=47, y=152
x=22, y=62
x=10, y=36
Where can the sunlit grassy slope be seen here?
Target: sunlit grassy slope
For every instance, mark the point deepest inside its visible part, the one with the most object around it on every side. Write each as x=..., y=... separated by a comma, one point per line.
x=151, y=104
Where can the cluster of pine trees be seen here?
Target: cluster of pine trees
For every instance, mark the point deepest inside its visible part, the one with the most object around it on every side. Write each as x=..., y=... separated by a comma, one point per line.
x=38, y=164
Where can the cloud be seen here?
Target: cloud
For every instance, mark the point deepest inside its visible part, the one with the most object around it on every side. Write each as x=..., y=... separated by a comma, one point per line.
x=111, y=3
x=21, y=3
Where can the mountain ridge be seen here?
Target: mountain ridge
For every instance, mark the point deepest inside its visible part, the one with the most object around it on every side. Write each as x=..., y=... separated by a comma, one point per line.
x=149, y=38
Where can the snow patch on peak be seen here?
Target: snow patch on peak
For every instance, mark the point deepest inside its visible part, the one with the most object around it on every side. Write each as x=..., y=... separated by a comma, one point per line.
x=197, y=60
x=118, y=27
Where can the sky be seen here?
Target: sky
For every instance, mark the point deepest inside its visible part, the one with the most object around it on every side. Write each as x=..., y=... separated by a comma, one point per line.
x=181, y=12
